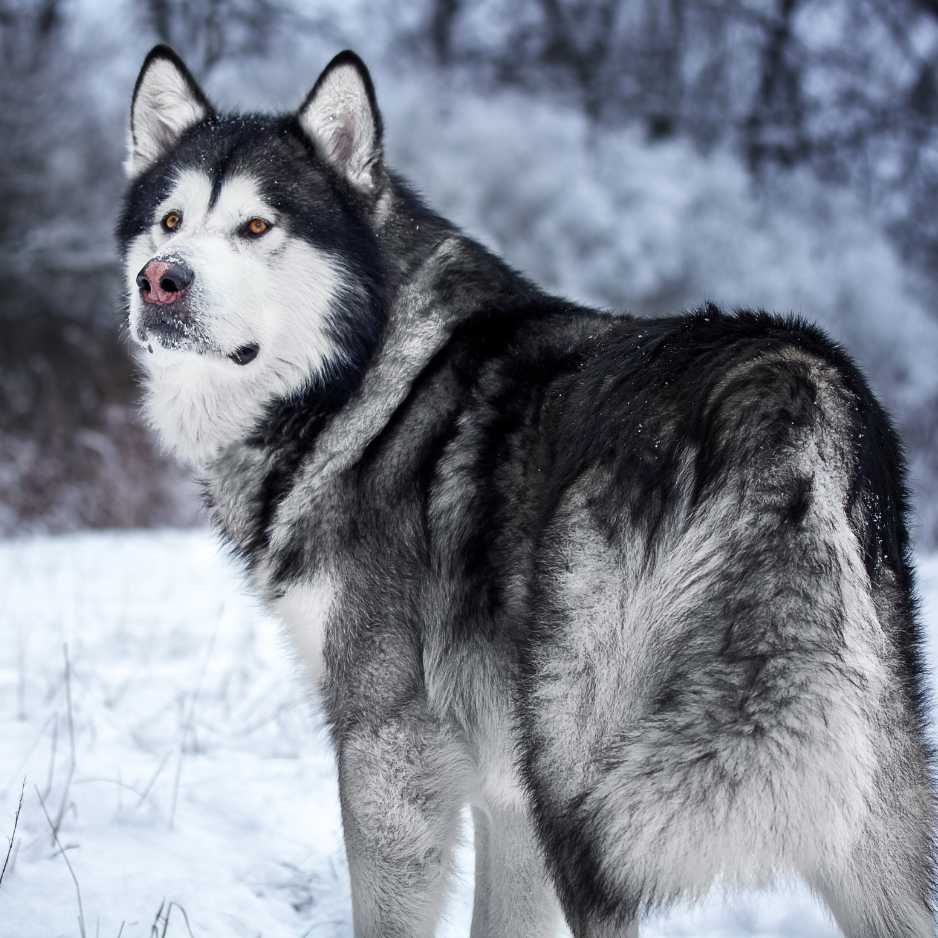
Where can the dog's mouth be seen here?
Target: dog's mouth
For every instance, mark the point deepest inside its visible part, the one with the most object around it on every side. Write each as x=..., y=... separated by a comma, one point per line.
x=172, y=334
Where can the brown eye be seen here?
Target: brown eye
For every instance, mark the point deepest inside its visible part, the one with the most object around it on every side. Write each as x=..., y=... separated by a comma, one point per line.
x=171, y=221
x=255, y=227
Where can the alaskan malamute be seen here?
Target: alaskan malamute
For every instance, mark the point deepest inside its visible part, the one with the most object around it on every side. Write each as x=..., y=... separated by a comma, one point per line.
x=637, y=590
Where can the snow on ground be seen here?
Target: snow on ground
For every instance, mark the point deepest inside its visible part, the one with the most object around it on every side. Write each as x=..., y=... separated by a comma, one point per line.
x=200, y=783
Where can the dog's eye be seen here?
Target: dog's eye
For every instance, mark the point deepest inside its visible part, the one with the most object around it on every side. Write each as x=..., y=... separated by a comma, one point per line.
x=255, y=227
x=171, y=221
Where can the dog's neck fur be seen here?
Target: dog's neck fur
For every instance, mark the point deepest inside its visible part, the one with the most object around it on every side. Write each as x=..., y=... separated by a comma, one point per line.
x=424, y=251
x=434, y=278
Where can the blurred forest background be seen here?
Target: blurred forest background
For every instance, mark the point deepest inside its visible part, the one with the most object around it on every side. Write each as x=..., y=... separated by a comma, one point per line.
x=644, y=155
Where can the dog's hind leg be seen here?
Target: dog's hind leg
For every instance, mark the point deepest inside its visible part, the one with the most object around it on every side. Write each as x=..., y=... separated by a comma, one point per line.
x=514, y=897
x=868, y=900
x=884, y=886
x=882, y=880
x=885, y=916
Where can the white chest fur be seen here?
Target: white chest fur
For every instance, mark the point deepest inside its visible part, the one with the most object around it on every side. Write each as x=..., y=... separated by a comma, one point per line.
x=304, y=609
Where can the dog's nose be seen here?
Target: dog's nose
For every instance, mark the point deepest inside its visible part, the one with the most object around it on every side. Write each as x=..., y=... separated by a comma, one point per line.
x=164, y=281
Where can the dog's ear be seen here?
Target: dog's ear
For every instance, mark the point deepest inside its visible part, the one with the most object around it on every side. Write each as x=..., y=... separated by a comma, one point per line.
x=340, y=115
x=167, y=101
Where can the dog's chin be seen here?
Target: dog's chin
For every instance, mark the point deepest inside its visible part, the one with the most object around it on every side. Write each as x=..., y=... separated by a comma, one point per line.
x=169, y=344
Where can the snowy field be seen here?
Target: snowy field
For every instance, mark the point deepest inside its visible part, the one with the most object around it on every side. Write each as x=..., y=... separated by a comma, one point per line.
x=188, y=776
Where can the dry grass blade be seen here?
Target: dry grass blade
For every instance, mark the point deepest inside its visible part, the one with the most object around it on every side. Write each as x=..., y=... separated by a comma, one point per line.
x=53, y=750
x=161, y=922
x=63, y=805
x=68, y=863
x=157, y=921
x=183, y=913
x=146, y=792
x=16, y=820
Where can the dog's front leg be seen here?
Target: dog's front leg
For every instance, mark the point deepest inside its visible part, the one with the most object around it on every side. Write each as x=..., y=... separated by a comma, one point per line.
x=402, y=784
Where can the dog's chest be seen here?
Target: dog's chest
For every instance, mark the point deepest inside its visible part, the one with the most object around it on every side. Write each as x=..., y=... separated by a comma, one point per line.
x=305, y=610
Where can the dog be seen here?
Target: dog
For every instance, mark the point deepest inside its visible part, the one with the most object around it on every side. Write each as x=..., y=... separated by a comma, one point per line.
x=638, y=591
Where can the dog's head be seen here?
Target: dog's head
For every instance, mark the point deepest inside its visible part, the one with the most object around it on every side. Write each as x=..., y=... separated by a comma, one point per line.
x=250, y=257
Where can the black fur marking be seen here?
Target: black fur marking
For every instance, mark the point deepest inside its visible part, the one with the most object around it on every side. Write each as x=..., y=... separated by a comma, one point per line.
x=801, y=499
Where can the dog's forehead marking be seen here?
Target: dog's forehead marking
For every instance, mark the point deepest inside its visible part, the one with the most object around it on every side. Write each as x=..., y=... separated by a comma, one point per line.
x=238, y=199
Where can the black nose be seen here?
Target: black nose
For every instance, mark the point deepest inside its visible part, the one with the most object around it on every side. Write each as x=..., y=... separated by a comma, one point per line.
x=176, y=278
x=162, y=281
